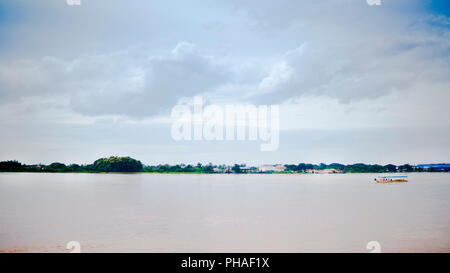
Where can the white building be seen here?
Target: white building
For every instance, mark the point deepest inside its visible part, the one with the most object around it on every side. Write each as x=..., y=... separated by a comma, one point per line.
x=271, y=168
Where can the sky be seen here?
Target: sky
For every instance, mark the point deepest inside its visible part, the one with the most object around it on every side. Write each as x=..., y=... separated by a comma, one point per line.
x=355, y=82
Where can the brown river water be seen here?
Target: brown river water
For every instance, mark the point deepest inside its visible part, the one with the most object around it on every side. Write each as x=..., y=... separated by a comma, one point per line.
x=42, y=212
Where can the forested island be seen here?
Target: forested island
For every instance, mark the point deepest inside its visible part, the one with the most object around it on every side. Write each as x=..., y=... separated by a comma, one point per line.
x=130, y=165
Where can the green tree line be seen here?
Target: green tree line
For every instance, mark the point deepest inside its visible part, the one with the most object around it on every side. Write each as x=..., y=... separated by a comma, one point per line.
x=354, y=168
x=111, y=164
x=128, y=164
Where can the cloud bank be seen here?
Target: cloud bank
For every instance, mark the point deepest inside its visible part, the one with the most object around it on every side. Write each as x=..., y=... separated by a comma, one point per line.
x=331, y=65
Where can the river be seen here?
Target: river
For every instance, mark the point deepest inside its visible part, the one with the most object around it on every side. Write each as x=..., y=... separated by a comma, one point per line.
x=42, y=212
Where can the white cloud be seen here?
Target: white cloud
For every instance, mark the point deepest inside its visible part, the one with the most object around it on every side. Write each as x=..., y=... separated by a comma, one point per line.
x=121, y=83
x=333, y=65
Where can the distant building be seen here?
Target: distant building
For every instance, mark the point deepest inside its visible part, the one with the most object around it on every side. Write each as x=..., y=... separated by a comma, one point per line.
x=271, y=168
x=324, y=171
x=436, y=167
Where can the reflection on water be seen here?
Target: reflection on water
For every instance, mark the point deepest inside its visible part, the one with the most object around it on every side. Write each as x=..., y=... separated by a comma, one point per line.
x=223, y=213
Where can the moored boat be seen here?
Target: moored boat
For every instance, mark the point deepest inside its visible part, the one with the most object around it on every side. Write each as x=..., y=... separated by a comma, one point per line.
x=391, y=179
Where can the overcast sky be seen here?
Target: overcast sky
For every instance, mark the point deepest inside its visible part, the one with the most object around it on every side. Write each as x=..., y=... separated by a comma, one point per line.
x=355, y=83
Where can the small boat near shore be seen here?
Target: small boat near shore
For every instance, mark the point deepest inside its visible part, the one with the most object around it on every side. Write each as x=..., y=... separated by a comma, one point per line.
x=392, y=179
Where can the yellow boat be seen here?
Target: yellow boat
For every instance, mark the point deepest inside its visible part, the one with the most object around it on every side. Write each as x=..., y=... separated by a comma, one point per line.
x=391, y=179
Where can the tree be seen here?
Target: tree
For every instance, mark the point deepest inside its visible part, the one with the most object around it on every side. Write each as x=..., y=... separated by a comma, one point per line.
x=336, y=166
x=74, y=168
x=375, y=168
x=405, y=168
x=301, y=167
x=391, y=168
x=236, y=168
x=291, y=167
x=208, y=169
x=117, y=164
x=57, y=167
x=11, y=165
x=357, y=168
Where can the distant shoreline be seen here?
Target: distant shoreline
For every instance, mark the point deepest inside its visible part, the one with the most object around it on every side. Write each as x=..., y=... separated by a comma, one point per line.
x=116, y=164
x=203, y=173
